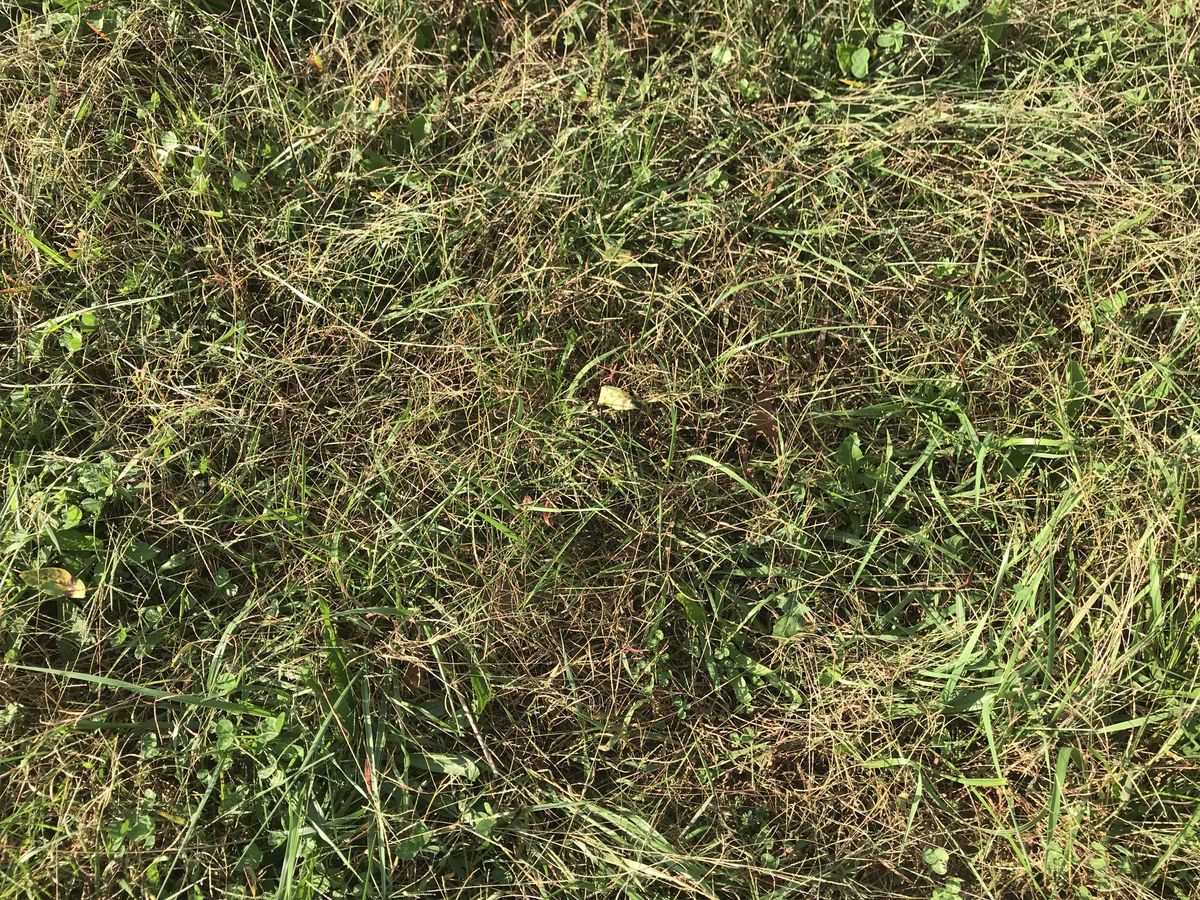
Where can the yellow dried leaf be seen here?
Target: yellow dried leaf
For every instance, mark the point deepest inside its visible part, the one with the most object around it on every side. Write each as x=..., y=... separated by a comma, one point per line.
x=55, y=582
x=314, y=60
x=615, y=398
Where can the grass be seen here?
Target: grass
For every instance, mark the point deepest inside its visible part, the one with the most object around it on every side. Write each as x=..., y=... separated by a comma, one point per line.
x=886, y=587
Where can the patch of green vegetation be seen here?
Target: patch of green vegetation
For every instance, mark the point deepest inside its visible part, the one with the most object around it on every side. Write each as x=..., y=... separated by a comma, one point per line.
x=327, y=573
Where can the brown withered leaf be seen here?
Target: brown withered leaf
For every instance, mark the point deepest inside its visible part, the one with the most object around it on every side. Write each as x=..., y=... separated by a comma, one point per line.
x=763, y=417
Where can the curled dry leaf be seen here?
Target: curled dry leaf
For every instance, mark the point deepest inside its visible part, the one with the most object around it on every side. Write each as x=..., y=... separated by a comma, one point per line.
x=527, y=502
x=615, y=398
x=55, y=582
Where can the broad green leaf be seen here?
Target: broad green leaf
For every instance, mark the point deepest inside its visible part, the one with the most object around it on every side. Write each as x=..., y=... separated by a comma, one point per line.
x=693, y=610
x=415, y=840
x=788, y=625
x=418, y=127
x=454, y=764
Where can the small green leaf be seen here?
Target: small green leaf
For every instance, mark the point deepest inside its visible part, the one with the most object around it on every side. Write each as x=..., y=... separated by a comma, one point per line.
x=140, y=553
x=484, y=825
x=845, y=54
x=58, y=19
x=71, y=340
x=938, y=860
x=9, y=714
x=226, y=735
x=951, y=890
x=168, y=142
x=860, y=61
x=891, y=38
x=1077, y=388
x=722, y=56
x=414, y=842
x=1110, y=308
x=71, y=517
x=1055, y=861
x=239, y=180
x=251, y=858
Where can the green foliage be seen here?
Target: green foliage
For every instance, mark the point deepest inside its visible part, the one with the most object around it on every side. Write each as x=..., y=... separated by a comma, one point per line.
x=873, y=573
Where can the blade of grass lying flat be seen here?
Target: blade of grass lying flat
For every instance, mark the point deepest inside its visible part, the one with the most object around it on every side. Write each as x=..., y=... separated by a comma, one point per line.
x=1065, y=754
x=721, y=467
x=640, y=837
x=731, y=352
x=37, y=243
x=1186, y=833
x=151, y=693
x=213, y=780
